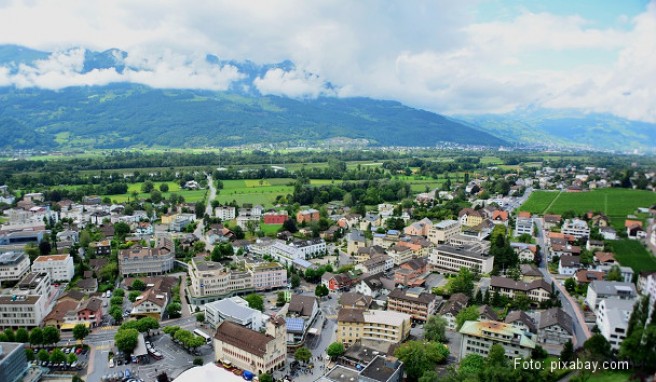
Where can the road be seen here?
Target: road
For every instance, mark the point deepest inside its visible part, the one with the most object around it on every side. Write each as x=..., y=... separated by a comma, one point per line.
x=571, y=307
x=200, y=227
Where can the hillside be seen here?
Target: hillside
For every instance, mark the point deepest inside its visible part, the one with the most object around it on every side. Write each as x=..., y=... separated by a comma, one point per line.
x=128, y=115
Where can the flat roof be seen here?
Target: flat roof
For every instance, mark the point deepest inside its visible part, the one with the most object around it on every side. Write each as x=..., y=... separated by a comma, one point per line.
x=208, y=372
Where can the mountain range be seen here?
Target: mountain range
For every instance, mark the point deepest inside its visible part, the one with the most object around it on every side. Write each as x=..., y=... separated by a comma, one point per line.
x=126, y=114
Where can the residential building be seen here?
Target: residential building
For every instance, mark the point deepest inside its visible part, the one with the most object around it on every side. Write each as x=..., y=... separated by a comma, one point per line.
x=418, y=228
x=555, y=327
x=376, y=265
x=181, y=222
x=150, y=303
x=27, y=303
x=13, y=265
x=225, y=212
x=523, y=226
x=146, y=260
x=101, y=248
x=412, y=272
x=576, y=227
x=275, y=217
x=366, y=253
x=375, y=286
x=537, y=290
x=301, y=313
x=479, y=336
x=456, y=303
x=13, y=361
x=399, y=254
x=355, y=300
x=309, y=215
x=530, y=272
x=88, y=285
x=414, y=301
x=584, y=276
x=355, y=240
x=59, y=267
x=248, y=209
x=608, y=233
x=267, y=275
x=568, y=265
x=251, y=350
x=525, y=252
x=234, y=309
x=521, y=320
x=299, y=249
x=441, y=232
x=89, y=312
x=353, y=324
x=381, y=368
x=336, y=282
x=613, y=320
x=486, y=313
x=470, y=217
x=211, y=281
x=602, y=290
x=551, y=221
x=451, y=259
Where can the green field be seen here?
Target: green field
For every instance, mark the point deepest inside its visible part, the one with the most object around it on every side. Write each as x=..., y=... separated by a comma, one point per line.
x=610, y=376
x=631, y=253
x=190, y=196
x=616, y=203
x=254, y=191
x=269, y=229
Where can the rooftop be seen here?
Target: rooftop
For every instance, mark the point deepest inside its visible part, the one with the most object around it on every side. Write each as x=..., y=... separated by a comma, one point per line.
x=381, y=368
x=484, y=328
x=52, y=258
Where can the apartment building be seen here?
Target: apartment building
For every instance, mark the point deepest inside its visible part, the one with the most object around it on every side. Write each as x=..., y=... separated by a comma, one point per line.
x=225, y=212
x=354, y=324
x=399, y=254
x=309, y=215
x=300, y=249
x=537, y=290
x=146, y=260
x=13, y=361
x=576, y=227
x=251, y=350
x=13, y=265
x=234, y=309
x=613, y=320
x=414, y=301
x=441, y=232
x=267, y=275
x=602, y=290
x=60, y=267
x=523, y=226
x=27, y=302
x=479, y=336
x=211, y=281
x=451, y=259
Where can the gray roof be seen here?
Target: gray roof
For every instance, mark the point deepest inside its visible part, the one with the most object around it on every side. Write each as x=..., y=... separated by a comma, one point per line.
x=557, y=316
x=612, y=288
x=570, y=261
x=227, y=307
x=520, y=316
x=302, y=305
x=502, y=282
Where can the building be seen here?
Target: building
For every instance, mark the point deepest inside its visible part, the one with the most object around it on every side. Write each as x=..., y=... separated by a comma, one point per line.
x=146, y=260
x=521, y=320
x=354, y=324
x=309, y=215
x=414, y=301
x=60, y=267
x=525, y=252
x=555, y=327
x=412, y=272
x=336, y=281
x=456, y=303
x=13, y=265
x=523, y=226
x=470, y=217
x=530, y=272
x=568, y=265
x=89, y=312
x=27, y=303
x=301, y=312
x=626, y=272
x=275, y=217
x=225, y=212
x=13, y=361
x=451, y=259
x=613, y=320
x=441, y=232
x=101, y=248
x=268, y=275
x=234, y=309
x=354, y=241
x=383, y=368
x=251, y=350
x=150, y=303
x=537, y=290
x=399, y=254
x=180, y=222
x=376, y=265
x=211, y=281
x=300, y=249
x=418, y=228
x=576, y=227
x=602, y=290
x=551, y=221
x=479, y=336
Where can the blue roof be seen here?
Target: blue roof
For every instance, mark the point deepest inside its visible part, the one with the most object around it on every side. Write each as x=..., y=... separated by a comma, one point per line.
x=295, y=324
x=393, y=232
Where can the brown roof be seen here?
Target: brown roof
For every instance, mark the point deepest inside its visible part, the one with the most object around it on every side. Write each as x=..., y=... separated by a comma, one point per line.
x=488, y=313
x=570, y=261
x=529, y=270
x=524, y=215
x=556, y=316
x=302, y=305
x=243, y=338
x=87, y=283
x=502, y=282
x=469, y=212
x=60, y=310
x=52, y=258
x=351, y=299
x=552, y=218
x=520, y=316
x=73, y=295
x=407, y=295
x=633, y=224
x=604, y=257
x=585, y=276
x=93, y=304
x=96, y=264
x=456, y=303
x=151, y=295
x=350, y=315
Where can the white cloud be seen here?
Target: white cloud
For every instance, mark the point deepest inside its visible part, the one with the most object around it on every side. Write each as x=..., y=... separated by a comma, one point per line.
x=434, y=55
x=293, y=83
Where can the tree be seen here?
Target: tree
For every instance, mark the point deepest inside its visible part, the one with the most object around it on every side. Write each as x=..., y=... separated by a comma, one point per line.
x=429, y=376
x=239, y=233
x=295, y=280
x=468, y=314
x=198, y=361
x=199, y=209
x=462, y=283
x=200, y=317
x=29, y=354
x=71, y=358
x=538, y=353
x=470, y=366
x=50, y=335
x=418, y=357
x=614, y=274
x=80, y=331
x=567, y=354
x=521, y=301
x=255, y=301
x=280, y=299
x=138, y=285
x=45, y=248
x=290, y=225
x=597, y=348
x=156, y=196
x=36, y=337
x=116, y=313
x=43, y=355
x=497, y=356
x=434, y=329
x=173, y=310
x=147, y=186
x=266, y=377
x=321, y=291
x=164, y=187
x=302, y=354
x=126, y=340
x=132, y=296
x=9, y=335
x=146, y=324
x=478, y=299
x=171, y=330
x=57, y=356
x=118, y=293
x=335, y=350
x=22, y=335
x=570, y=285
x=116, y=301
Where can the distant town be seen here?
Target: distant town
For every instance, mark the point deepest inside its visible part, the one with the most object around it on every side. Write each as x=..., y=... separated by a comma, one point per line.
x=334, y=266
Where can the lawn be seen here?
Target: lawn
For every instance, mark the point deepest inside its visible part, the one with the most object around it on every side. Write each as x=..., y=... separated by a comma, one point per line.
x=610, y=376
x=254, y=191
x=631, y=253
x=270, y=229
x=173, y=186
x=190, y=196
x=616, y=203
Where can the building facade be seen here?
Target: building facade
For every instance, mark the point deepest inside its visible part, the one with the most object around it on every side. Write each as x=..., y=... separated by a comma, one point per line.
x=479, y=336
x=13, y=361
x=414, y=301
x=147, y=261
x=449, y=258
x=27, y=303
x=60, y=267
x=13, y=265
x=354, y=324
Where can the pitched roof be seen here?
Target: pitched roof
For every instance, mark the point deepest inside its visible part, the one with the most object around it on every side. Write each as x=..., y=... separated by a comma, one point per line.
x=570, y=261
x=410, y=295
x=586, y=276
x=529, y=270
x=488, y=313
x=248, y=340
x=520, y=316
x=350, y=299
x=503, y=282
x=455, y=304
x=302, y=305
x=72, y=294
x=555, y=316
x=93, y=304
x=60, y=310
x=604, y=257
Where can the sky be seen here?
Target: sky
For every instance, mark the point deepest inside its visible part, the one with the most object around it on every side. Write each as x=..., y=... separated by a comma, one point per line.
x=452, y=57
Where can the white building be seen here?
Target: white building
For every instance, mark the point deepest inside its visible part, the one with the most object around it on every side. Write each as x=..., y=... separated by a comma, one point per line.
x=59, y=267
x=301, y=249
x=13, y=265
x=576, y=227
x=602, y=290
x=613, y=320
x=441, y=232
x=479, y=336
x=27, y=303
x=450, y=258
x=234, y=309
x=225, y=212
x=523, y=226
x=568, y=265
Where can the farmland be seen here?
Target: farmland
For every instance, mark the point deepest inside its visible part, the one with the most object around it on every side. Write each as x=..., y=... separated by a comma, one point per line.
x=189, y=195
x=632, y=253
x=254, y=191
x=616, y=203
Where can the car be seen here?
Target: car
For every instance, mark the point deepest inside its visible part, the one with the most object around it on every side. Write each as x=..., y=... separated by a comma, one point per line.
x=111, y=362
x=78, y=351
x=67, y=350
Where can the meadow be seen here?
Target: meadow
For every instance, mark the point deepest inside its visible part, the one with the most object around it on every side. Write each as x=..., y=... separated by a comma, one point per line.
x=631, y=253
x=190, y=196
x=254, y=191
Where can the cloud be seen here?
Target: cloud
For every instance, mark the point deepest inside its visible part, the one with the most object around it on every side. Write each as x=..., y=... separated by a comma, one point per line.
x=444, y=56
x=293, y=84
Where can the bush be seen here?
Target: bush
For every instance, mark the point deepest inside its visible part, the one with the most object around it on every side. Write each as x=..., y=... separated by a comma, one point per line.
x=198, y=361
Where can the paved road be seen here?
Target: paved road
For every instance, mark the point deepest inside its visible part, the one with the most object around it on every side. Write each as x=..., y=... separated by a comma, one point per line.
x=200, y=227
x=581, y=330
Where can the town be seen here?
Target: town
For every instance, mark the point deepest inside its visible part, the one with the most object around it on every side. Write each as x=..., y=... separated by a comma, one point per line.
x=277, y=273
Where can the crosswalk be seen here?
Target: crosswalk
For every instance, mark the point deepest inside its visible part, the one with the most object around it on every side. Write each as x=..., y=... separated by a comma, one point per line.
x=107, y=328
x=103, y=347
